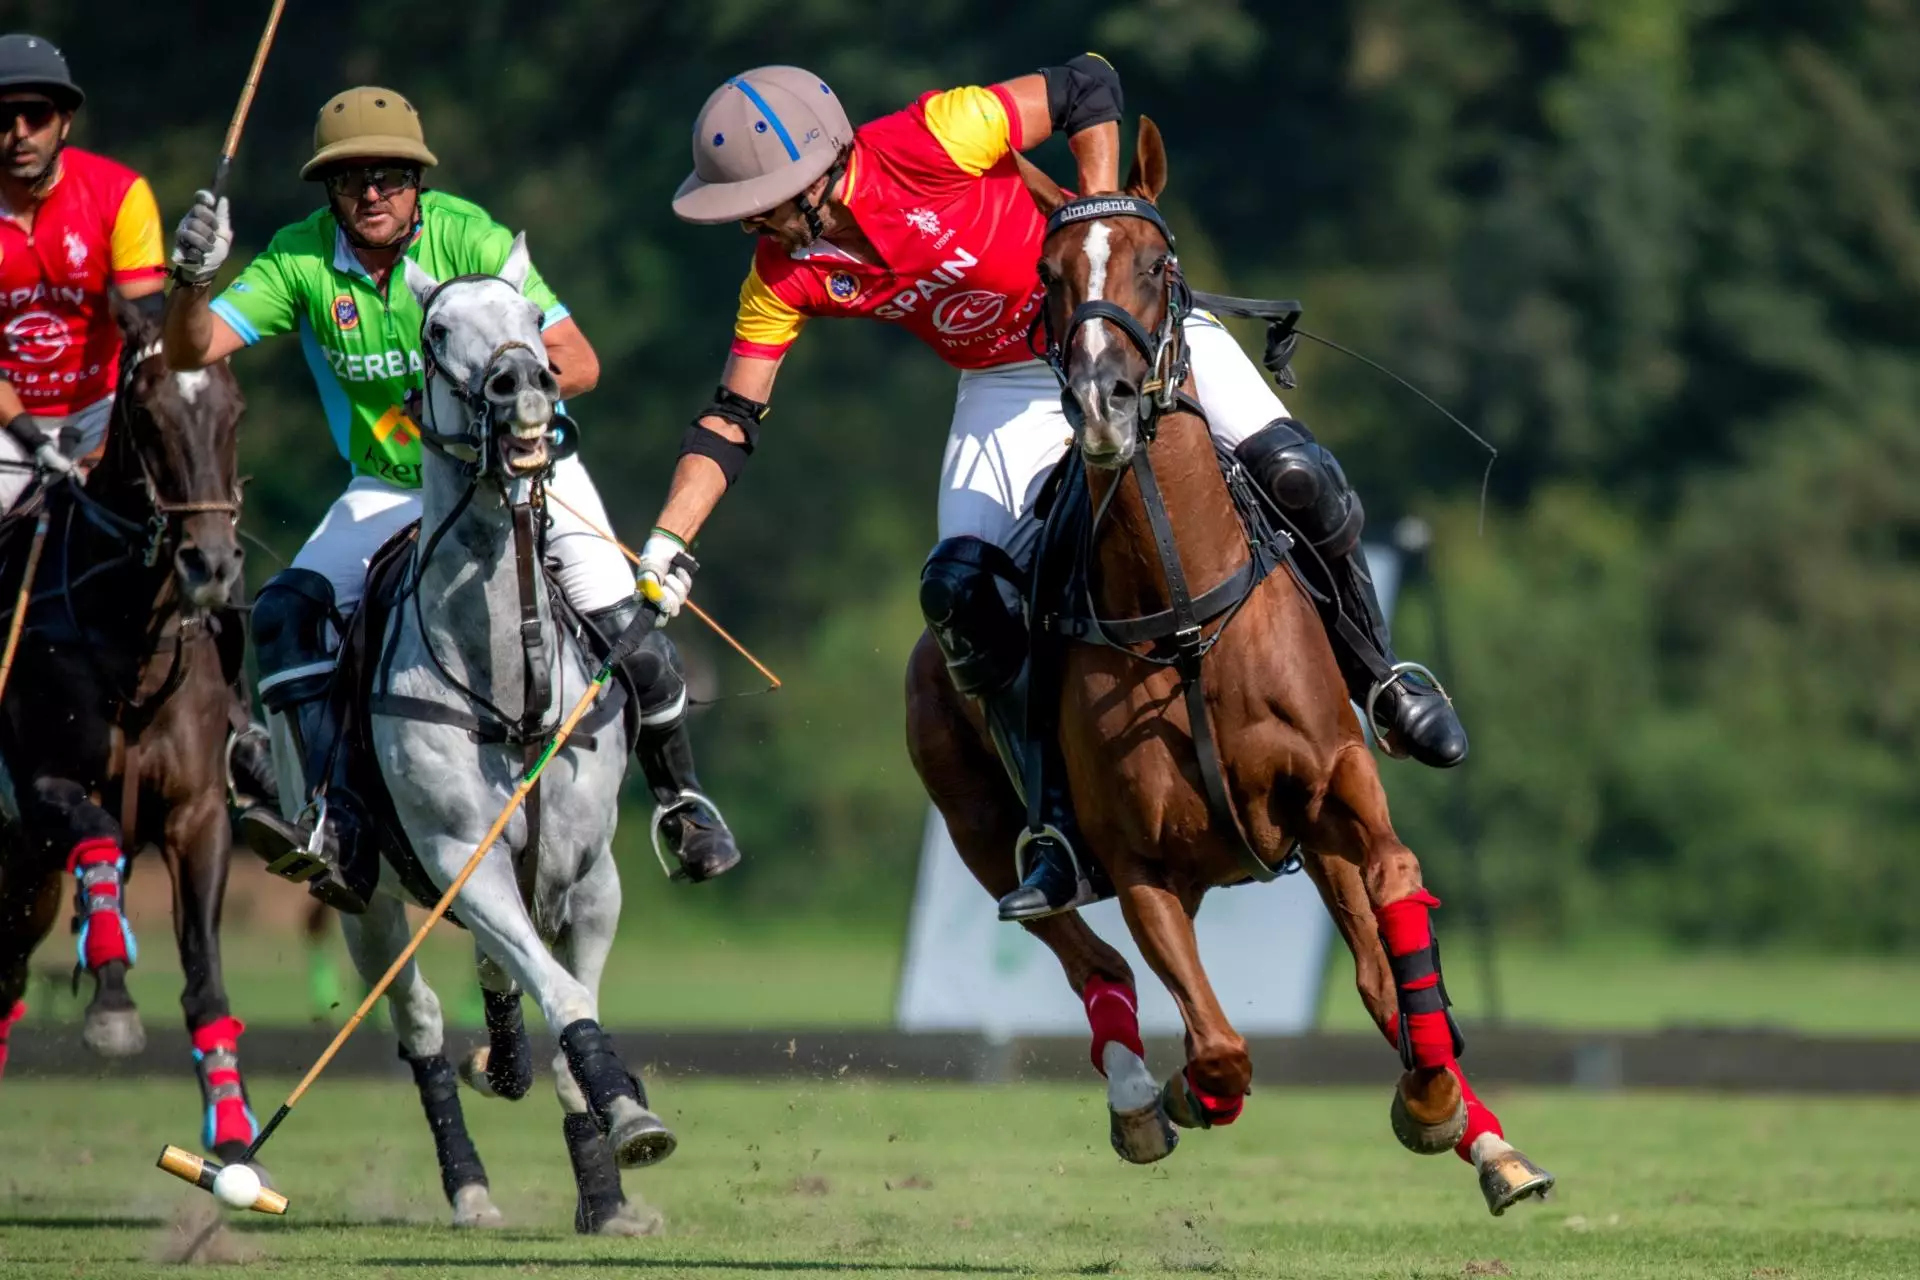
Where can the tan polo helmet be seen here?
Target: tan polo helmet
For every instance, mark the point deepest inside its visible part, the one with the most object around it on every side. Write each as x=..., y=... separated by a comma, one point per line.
x=367, y=123
x=761, y=139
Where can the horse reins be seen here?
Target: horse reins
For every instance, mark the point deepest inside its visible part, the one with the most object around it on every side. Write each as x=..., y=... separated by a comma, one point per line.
x=1185, y=622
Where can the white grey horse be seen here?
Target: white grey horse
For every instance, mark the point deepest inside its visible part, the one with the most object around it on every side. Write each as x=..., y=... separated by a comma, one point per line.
x=488, y=416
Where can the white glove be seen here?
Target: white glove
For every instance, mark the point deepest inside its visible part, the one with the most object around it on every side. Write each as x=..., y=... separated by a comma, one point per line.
x=203, y=239
x=668, y=570
x=53, y=462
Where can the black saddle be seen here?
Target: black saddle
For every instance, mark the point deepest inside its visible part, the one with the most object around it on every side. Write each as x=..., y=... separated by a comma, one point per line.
x=360, y=687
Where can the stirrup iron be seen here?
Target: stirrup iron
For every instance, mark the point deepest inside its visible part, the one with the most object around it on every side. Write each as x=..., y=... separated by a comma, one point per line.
x=302, y=865
x=1397, y=674
x=685, y=801
x=1028, y=836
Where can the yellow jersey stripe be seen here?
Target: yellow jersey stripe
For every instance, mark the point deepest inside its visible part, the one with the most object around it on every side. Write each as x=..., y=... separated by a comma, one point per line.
x=766, y=320
x=137, y=245
x=971, y=124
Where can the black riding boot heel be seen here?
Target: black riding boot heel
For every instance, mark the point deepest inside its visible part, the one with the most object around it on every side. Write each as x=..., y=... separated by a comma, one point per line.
x=686, y=823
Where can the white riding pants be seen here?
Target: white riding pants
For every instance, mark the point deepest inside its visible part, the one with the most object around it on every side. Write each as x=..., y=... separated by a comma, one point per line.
x=89, y=425
x=1009, y=431
x=592, y=571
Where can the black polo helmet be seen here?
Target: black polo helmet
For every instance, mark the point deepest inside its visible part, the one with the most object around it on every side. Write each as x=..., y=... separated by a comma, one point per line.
x=32, y=62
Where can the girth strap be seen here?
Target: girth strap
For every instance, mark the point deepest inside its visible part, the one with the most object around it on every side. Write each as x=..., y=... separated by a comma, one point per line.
x=1190, y=648
x=486, y=732
x=1149, y=627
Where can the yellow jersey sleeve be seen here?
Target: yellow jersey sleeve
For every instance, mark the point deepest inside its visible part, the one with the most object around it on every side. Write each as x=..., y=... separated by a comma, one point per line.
x=137, y=247
x=971, y=124
x=767, y=324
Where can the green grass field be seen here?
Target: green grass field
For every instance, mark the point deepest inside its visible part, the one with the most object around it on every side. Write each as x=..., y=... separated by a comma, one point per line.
x=920, y=1181
x=811, y=974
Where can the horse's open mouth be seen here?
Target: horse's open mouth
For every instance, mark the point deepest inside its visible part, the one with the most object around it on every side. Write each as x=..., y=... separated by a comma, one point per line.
x=523, y=454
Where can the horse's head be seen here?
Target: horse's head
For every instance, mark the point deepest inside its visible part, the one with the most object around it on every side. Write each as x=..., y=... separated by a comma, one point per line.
x=176, y=434
x=487, y=372
x=1111, y=318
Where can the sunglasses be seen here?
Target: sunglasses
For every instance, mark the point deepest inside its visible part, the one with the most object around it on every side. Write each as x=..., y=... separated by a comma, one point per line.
x=37, y=112
x=386, y=181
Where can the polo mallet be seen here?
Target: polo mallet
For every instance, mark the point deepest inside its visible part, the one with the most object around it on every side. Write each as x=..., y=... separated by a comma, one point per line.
x=242, y=1190
x=239, y=121
x=773, y=680
x=18, y=622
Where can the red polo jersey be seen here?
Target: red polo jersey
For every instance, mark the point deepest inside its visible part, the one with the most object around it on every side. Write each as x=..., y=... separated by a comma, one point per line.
x=935, y=189
x=97, y=226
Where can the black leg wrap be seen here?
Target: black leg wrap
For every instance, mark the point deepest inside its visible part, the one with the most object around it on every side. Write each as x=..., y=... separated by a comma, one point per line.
x=595, y=1173
x=1434, y=999
x=440, y=1098
x=509, y=1056
x=597, y=1069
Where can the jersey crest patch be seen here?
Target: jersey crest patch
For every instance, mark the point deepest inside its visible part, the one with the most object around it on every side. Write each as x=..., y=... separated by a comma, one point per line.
x=345, y=314
x=843, y=286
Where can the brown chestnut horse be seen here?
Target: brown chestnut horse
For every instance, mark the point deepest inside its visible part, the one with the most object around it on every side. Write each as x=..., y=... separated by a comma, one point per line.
x=1292, y=762
x=123, y=669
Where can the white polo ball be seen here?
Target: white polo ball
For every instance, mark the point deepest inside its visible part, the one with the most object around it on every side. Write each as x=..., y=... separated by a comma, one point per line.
x=237, y=1186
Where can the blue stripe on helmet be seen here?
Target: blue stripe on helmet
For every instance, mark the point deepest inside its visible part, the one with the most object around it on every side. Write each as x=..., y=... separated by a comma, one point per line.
x=779, y=130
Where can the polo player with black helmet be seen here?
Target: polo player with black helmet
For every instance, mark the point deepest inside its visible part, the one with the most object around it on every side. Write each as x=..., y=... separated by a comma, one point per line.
x=72, y=226
x=921, y=218
x=332, y=278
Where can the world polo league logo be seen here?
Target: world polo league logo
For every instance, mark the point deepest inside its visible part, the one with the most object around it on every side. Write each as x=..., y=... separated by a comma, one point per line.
x=345, y=313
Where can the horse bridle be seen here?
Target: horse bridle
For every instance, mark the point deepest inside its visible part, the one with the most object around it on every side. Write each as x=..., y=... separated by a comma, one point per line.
x=1182, y=625
x=470, y=449
x=1165, y=349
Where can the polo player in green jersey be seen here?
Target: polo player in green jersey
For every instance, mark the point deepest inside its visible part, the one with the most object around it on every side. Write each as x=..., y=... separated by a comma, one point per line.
x=330, y=277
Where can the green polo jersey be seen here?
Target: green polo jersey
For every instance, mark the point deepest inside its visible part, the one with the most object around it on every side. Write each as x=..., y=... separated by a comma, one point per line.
x=364, y=346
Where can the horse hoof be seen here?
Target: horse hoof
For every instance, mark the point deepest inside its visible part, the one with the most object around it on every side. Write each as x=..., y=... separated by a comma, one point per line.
x=473, y=1072
x=1507, y=1178
x=473, y=1207
x=631, y=1220
x=1145, y=1135
x=638, y=1137
x=1427, y=1139
x=114, y=1033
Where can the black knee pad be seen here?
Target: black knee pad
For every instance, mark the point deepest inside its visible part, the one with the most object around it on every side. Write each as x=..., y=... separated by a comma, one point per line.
x=655, y=671
x=969, y=597
x=290, y=620
x=1306, y=481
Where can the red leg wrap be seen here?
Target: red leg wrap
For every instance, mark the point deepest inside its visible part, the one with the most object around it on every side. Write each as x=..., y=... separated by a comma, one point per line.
x=1113, y=1011
x=1480, y=1117
x=1219, y=1110
x=105, y=935
x=14, y=1015
x=1405, y=929
x=216, y=1047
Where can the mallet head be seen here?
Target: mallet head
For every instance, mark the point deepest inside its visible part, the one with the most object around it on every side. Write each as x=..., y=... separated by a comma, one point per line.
x=202, y=1172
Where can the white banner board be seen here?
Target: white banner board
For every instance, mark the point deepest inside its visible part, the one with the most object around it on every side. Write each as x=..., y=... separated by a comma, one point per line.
x=1264, y=946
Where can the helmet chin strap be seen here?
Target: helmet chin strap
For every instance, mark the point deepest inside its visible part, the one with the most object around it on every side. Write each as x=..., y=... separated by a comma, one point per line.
x=816, y=227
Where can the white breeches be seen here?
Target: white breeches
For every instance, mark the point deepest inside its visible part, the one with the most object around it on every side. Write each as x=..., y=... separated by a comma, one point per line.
x=88, y=425
x=1009, y=431
x=592, y=571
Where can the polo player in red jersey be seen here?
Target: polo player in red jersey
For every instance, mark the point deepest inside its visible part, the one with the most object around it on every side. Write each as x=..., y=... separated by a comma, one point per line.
x=921, y=218
x=72, y=225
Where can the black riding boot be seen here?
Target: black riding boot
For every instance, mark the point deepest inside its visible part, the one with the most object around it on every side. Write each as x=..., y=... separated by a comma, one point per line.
x=984, y=640
x=338, y=864
x=1051, y=877
x=685, y=822
x=1412, y=714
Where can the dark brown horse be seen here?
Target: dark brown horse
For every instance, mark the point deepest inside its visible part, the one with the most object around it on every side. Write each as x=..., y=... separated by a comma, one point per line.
x=1292, y=761
x=114, y=726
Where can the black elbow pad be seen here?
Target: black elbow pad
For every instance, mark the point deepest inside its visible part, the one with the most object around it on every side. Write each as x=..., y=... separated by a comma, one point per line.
x=1083, y=92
